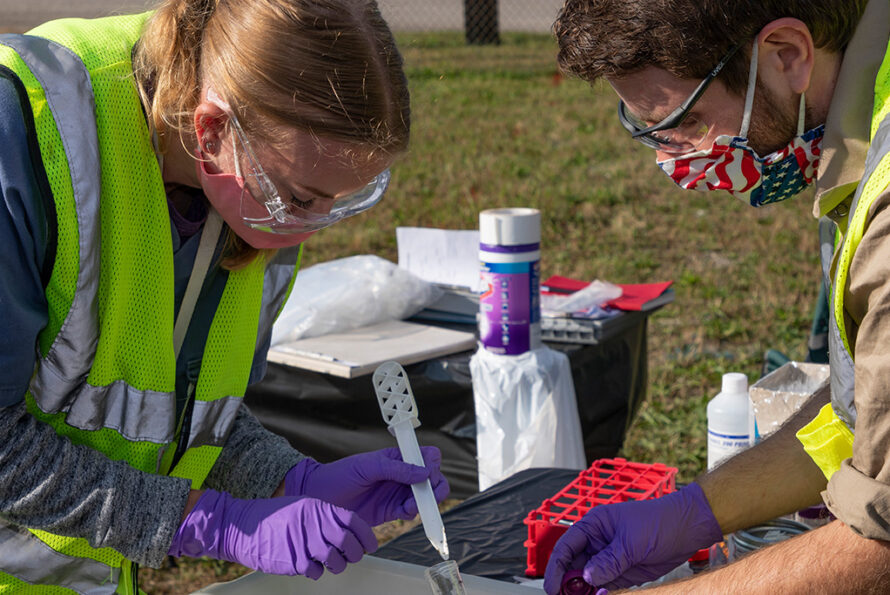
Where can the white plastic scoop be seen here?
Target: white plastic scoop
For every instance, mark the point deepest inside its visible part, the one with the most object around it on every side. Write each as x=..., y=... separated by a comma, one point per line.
x=400, y=414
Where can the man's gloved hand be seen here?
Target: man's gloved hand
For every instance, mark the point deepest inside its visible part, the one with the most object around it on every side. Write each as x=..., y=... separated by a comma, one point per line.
x=276, y=535
x=376, y=485
x=630, y=543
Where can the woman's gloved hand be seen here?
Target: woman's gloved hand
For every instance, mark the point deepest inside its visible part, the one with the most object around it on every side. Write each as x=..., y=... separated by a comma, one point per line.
x=276, y=535
x=376, y=485
x=630, y=543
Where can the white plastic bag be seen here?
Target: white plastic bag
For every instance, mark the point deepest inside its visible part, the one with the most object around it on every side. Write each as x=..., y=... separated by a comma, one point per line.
x=349, y=293
x=584, y=300
x=526, y=413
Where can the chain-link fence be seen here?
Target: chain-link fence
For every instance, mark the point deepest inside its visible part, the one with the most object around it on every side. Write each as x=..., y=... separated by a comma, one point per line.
x=482, y=20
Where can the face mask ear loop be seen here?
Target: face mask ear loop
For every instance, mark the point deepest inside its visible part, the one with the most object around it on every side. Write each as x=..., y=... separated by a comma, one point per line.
x=749, y=96
x=801, y=113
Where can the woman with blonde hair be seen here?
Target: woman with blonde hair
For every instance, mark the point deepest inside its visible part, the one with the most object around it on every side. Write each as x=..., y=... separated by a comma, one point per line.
x=159, y=175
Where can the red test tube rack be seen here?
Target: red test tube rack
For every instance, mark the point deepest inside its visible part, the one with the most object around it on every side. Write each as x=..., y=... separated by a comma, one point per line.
x=606, y=481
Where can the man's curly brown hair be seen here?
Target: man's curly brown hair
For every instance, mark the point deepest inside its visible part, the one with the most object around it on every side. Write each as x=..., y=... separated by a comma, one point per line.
x=613, y=38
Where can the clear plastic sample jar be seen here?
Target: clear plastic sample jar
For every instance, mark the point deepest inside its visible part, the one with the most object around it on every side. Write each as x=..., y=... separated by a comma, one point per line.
x=444, y=579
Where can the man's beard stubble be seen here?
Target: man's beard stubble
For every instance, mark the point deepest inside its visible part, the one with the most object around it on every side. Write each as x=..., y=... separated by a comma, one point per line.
x=773, y=125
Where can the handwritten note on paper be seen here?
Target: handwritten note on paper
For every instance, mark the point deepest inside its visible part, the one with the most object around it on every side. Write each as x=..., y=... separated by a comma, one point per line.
x=446, y=256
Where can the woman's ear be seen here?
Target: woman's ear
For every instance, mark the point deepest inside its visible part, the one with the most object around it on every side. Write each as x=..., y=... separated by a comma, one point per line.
x=786, y=55
x=210, y=122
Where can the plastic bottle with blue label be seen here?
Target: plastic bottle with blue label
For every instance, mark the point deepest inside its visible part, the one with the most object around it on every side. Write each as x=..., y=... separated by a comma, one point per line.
x=510, y=302
x=730, y=420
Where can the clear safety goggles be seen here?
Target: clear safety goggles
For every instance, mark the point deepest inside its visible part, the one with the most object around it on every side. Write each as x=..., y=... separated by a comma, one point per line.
x=680, y=132
x=287, y=216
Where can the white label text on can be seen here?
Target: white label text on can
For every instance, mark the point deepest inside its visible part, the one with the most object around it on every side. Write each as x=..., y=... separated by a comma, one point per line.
x=509, y=306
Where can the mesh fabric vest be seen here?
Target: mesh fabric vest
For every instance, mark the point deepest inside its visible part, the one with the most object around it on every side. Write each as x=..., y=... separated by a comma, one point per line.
x=829, y=438
x=106, y=372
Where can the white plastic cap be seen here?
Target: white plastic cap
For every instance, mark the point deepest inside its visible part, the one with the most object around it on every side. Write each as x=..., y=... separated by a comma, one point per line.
x=735, y=382
x=510, y=227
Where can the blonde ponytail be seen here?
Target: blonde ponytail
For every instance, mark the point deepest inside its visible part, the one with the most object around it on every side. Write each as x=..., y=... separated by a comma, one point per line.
x=167, y=63
x=327, y=67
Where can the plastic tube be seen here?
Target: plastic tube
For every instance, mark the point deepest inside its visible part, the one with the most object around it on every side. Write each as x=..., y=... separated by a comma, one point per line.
x=444, y=579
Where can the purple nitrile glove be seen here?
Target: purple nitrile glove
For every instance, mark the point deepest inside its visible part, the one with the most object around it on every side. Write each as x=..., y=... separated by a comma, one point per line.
x=630, y=543
x=376, y=485
x=276, y=535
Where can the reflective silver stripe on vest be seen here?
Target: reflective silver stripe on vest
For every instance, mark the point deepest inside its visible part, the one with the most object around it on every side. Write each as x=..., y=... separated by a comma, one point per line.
x=149, y=416
x=840, y=360
x=827, y=235
x=275, y=283
x=135, y=414
x=212, y=420
x=842, y=376
x=66, y=83
x=27, y=558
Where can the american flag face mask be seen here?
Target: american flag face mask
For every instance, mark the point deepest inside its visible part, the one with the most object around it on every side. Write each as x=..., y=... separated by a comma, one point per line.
x=731, y=165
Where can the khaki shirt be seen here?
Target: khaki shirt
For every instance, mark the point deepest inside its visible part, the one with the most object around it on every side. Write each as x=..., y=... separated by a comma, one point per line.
x=859, y=493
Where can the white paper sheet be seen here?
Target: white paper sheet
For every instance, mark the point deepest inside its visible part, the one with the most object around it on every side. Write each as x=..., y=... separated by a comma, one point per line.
x=449, y=257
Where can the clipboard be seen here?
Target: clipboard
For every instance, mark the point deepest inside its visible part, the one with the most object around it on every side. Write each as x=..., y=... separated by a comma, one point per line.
x=359, y=351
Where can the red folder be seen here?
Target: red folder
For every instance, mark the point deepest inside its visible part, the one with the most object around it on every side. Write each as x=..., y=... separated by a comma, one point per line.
x=638, y=296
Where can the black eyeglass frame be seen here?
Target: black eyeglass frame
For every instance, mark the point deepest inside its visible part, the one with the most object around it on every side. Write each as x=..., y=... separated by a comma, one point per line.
x=676, y=117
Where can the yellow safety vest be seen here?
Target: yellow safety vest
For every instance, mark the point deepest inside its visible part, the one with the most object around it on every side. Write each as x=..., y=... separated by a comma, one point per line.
x=829, y=437
x=106, y=370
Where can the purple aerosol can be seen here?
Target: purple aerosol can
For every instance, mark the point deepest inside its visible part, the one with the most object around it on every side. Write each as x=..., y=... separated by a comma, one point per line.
x=510, y=302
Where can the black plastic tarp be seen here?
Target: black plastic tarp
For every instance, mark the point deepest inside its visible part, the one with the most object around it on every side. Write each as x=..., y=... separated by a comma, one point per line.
x=485, y=532
x=328, y=417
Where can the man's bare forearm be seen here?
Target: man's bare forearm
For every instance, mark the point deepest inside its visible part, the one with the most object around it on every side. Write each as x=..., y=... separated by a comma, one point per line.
x=774, y=478
x=831, y=559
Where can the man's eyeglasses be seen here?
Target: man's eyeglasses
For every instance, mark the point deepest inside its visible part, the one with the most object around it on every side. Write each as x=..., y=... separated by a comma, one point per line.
x=677, y=133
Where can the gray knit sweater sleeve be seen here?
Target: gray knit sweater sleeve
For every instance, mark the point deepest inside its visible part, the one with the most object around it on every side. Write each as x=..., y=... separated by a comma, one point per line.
x=253, y=461
x=49, y=483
